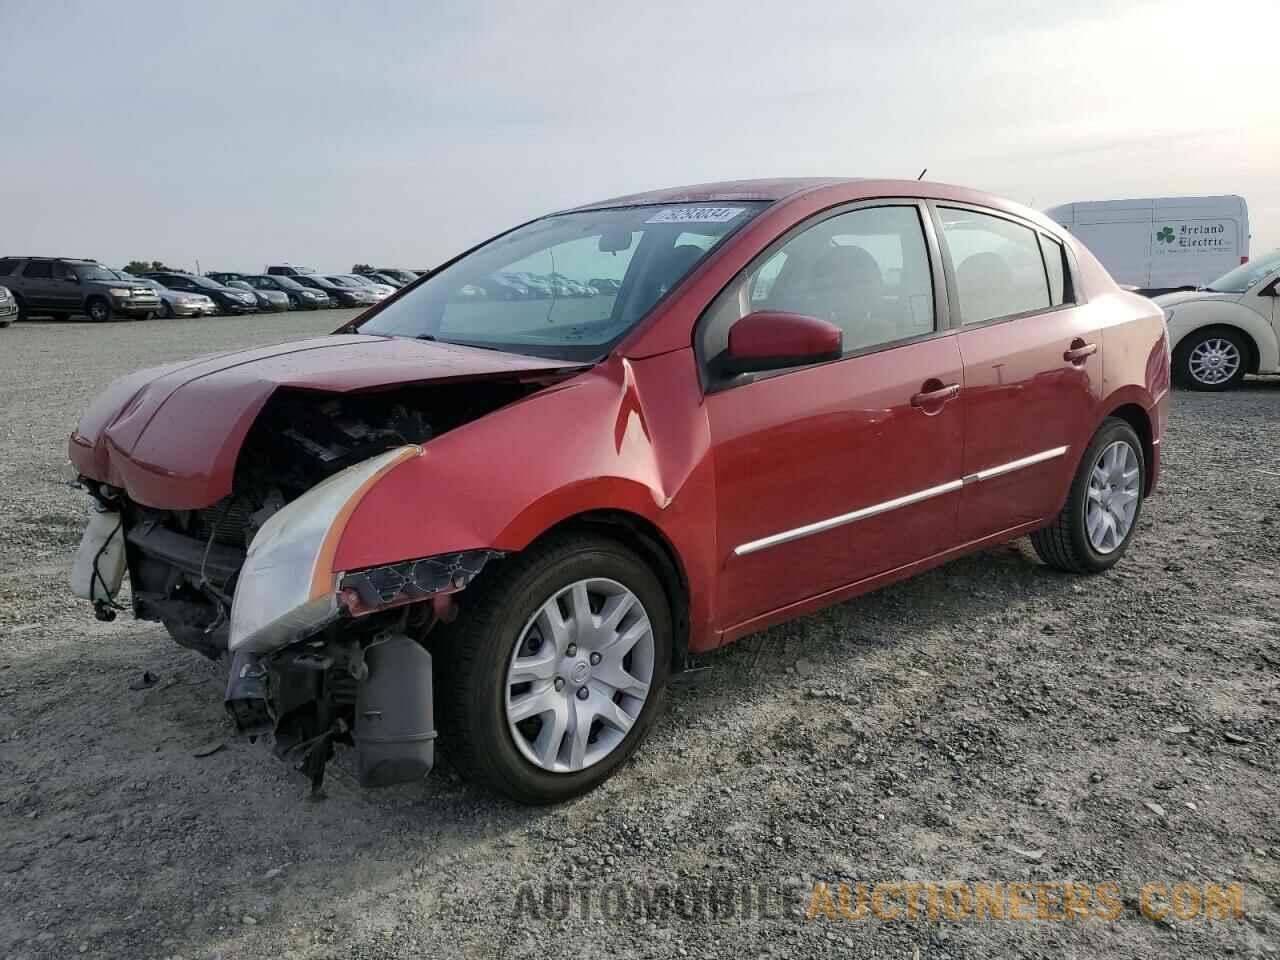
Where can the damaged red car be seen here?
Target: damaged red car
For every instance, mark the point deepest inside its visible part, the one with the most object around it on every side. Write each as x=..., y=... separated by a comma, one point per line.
x=514, y=497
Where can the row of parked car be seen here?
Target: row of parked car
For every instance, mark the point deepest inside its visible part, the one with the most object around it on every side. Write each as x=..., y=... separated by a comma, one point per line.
x=60, y=287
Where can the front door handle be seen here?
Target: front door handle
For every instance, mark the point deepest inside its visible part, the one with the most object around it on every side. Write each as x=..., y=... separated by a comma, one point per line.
x=935, y=393
x=1079, y=352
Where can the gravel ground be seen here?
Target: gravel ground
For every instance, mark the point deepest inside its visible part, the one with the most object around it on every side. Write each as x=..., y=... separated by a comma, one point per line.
x=989, y=721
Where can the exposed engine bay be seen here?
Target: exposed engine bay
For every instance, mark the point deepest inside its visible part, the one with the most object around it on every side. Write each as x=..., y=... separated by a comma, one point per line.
x=184, y=566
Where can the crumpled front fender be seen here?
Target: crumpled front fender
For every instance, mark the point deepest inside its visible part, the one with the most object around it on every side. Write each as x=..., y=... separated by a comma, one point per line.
x=628, y=436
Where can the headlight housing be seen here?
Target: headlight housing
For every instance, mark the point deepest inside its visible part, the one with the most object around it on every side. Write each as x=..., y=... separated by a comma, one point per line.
x=287, y=589
x=120, y=292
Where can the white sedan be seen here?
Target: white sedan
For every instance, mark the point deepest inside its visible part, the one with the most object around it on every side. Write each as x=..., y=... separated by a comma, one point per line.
x=1227, y=329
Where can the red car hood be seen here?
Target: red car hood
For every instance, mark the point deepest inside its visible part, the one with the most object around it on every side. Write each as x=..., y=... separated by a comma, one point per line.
x=170, y=435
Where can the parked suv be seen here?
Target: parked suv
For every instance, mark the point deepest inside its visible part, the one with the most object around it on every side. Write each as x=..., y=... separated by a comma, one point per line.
x=802, y=391
x=59, y=287
x=288, y=270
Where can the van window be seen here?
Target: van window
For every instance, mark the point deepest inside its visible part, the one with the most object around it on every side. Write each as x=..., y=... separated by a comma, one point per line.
x=1056, y=267
x=7, y=265
x=999, y=268
x=39, y=270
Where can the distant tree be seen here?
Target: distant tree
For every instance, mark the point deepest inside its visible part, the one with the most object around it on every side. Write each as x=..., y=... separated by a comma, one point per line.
x=361, y=268
x=137, y=267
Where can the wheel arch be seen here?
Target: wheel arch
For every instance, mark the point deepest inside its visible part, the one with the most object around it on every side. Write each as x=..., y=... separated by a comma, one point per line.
x=1135, y=416
x=1189, y=320
x=653, y=547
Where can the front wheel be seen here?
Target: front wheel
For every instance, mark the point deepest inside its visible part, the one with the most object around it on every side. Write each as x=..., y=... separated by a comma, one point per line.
x=1094, y=529
x=555, y=668
x=98, y=310
x=1210, y=360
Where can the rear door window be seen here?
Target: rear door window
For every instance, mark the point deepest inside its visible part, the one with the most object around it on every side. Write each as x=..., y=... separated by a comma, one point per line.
x=999, y=269
x=38, y=271
x=6, y=266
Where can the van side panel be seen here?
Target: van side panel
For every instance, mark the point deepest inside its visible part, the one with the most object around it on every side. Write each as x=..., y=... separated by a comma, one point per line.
x=1162, y=243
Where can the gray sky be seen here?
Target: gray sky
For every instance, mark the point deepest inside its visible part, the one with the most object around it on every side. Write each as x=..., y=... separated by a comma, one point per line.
x=243, y=133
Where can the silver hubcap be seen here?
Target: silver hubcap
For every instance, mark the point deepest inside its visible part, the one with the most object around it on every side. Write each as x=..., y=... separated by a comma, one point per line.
x=1113, y=496
x=1214, y=361
x=579, y=675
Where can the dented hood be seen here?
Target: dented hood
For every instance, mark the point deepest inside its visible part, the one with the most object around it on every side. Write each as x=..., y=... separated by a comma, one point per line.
x=170, y=435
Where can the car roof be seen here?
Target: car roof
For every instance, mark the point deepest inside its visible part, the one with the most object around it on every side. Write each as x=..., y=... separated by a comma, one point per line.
x=723, y=191
x=794, y=188
x=54, y=259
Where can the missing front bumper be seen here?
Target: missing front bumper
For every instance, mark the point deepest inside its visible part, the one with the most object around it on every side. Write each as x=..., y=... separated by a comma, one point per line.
x=308, y=699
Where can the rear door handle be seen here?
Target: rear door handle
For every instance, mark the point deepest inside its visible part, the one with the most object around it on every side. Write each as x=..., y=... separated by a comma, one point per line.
x=1079, y=351
x=935, y=395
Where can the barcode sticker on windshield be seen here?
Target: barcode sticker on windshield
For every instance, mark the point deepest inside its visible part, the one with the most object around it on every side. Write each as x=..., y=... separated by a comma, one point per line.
x=696, y=215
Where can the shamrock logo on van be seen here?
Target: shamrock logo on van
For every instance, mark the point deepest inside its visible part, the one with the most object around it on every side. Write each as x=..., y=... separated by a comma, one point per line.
x=1165, y=235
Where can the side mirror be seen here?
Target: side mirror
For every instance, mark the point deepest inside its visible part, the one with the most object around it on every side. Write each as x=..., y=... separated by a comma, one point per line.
x=773, y=339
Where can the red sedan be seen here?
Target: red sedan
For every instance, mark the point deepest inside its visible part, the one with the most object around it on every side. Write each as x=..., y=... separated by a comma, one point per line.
x=534, y=481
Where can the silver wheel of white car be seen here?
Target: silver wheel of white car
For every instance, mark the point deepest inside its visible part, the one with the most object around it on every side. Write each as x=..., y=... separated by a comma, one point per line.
x=1114, y=489
x=579, y=675
x=1213, y=359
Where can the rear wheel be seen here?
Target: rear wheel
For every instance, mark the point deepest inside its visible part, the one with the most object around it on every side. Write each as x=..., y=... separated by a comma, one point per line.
x=98, y=310
x=555, y=669
x=1094, y=529
x=1211, y=360
x=166, y=309
x=22, y=308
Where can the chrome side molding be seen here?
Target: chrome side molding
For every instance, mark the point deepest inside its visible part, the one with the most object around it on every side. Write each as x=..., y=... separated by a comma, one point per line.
x=1000, y=471
x=821, y=526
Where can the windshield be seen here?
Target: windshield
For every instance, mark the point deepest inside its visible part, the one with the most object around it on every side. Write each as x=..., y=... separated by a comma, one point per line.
x=404, y=276
x=99, y=273
x=285, y=283
x=1246, y=275
x=206, y=283
x=536, y=290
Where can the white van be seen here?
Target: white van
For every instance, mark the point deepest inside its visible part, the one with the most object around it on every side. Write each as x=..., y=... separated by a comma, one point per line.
x=1158, y=244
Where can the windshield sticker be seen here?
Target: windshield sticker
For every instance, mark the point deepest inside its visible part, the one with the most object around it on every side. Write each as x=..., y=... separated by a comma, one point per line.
x=696, y=215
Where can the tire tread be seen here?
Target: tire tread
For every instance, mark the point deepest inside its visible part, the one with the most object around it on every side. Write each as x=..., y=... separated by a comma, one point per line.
x=1056, y=544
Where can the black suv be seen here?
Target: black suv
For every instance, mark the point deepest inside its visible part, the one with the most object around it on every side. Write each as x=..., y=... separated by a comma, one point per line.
x=228, y=299
x=60, y=286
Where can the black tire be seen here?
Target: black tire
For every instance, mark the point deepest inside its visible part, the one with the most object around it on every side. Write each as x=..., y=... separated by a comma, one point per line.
x=166, y=309
x=1064, y=544
x=1182, y=370
x=473, y=655
x=23, y=314
x=98, y=310
x=5, y=323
